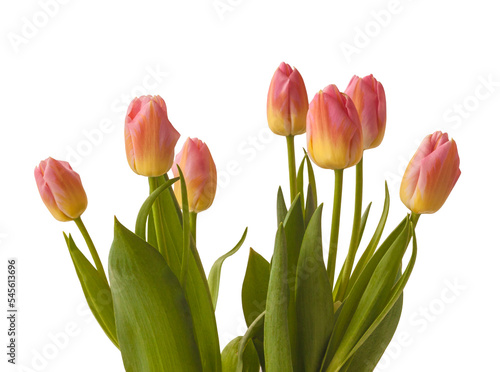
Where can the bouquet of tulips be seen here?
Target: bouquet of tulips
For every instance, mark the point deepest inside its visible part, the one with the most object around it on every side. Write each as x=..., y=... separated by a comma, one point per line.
x=156, y=303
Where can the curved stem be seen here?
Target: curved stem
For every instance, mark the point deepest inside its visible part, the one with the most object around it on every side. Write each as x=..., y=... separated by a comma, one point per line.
x=92, y=249
x=291, y=168
x=353, y=245
x=157, y=216
x=192, y=223
x=414, y=218
x=334, y=236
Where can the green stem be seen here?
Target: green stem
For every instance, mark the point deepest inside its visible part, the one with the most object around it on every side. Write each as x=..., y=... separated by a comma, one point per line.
x=334, y=237
x=157, y=216
x=414, y=218
x=192, y=223
x=291, y=167
x=353, y=246
x=90, y=244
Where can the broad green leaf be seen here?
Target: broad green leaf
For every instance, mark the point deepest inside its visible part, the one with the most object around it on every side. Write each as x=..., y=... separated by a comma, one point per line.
x=251, y=337
x=314, y=302
x=214, y=275
x=230, y=355
x=375, y=289
x=281, y=206
x=370, y=249
x=153, y=319
x=254, y=289
x=294, y=232
x=196, y=287
x=276, y=338
x=350, y=304
x=372, y=350
x=145, y=211
x=96, y=290
x=395, y=296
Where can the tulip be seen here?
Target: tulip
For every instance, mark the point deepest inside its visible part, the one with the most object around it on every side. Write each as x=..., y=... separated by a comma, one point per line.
x=431, y=174
x=368, y=96
x=150, y=138
x=61, y=189
x=200, y=175
x=287, y=102
x=334, y=134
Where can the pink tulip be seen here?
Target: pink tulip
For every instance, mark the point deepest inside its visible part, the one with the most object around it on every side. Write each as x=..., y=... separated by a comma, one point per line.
x=287, y=102
x=199, y=172
x=334, y=134
x=150, y=138
x=61, y=189
x=369, y=98
x=431, y=174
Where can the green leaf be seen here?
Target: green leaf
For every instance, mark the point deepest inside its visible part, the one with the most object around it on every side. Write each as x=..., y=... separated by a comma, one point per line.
x=96, y=290
x=314, y=301
x=372, y=350
x=230, y=355
x=300, y=180
x=196, y=288
x=294, y=232
x=370, y=249
x=312, y=179
x=145, y=211
x=310, y=206
x=251, y=337
x=255, y=284
x=373, y=290
x=395, y=297
x=153, y=319
x=281, y=206
x=214, y=275
x=362, y=225
x=151, y=235
x=276, y=338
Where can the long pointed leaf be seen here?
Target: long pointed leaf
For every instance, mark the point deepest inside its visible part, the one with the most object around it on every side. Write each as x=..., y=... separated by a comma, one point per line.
x=214, y=275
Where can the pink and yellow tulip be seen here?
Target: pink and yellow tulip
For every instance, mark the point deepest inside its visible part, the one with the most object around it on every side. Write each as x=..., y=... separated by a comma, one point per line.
x=61, y=189
x=287, y=102
x=150, y=138
x=368, y=96
x=199, y=172
x=431, y=174
x=334, y=133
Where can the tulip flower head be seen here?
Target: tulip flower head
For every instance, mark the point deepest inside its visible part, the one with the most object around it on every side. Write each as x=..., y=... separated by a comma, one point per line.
x=287, y=102
x=150, y=138
x=199, y=172
x=368, y=96
x=61, y=189
x=334, y=134
x=431, y=174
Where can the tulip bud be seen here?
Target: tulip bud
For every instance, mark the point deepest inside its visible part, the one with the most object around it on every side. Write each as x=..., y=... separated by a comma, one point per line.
x=334, y=134
x=199, y=173
x=368, y=96
x=150, y=138
x=61, y=189
x=287, y=102
x=431, y=174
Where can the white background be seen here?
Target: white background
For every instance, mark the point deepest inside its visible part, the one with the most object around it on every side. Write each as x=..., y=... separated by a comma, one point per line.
x=74, y=70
